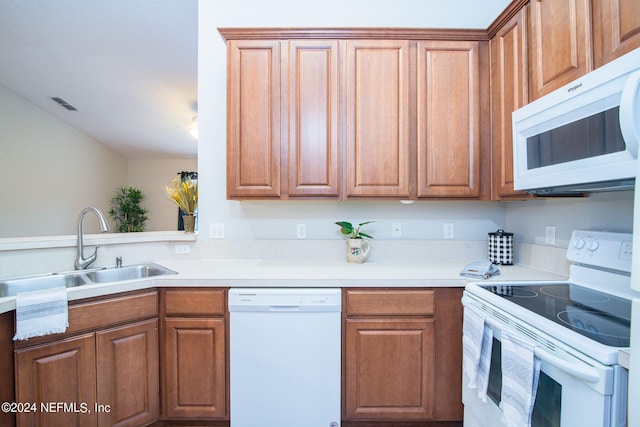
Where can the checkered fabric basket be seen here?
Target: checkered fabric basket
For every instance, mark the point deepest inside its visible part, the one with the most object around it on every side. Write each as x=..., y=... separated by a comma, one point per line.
x=501, y=247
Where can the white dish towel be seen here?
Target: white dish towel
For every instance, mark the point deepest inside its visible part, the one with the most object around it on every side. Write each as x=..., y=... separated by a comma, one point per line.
x=477, y=340
x=41, y=313
x=520, y=373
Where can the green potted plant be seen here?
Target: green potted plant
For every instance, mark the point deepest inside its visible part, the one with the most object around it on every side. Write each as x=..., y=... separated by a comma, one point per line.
x=184, y=193
x=126, y=210
x=357, y=247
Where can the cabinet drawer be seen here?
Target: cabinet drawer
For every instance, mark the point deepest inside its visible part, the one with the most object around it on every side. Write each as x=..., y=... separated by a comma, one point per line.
x=102, y=313
x=194, y=302
x=390, y=302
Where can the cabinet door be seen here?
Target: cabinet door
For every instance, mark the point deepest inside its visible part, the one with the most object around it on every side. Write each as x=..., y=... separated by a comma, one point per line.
x=508, y=93
x=59, y=373
x=313, y=118
x=448, y=119
x=377, y=118
x=616, y=29
x=195, y=368
x=128, y=372
x=389, y=369
x=560, y=48
x=253, y=118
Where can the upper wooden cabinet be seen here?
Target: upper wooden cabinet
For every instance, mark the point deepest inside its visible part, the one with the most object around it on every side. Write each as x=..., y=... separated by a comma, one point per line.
x=282, y=127
x=560, y=46
x=356, y=113
x=449, y=112
x=508, y=93
x=253, y=123
x=312, y=116
x=616, y=29
x=377, y=124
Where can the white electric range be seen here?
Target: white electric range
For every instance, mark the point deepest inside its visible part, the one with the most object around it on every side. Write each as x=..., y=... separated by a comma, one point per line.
x=577, y=326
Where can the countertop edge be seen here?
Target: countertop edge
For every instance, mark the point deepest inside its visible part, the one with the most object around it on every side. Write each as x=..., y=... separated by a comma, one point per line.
x=282, y=273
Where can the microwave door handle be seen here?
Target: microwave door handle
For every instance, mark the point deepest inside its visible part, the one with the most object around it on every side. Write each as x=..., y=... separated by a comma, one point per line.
x=580, y=372
x=630, y=111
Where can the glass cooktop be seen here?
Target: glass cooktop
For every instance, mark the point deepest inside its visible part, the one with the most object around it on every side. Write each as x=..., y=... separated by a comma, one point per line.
x=602, y=317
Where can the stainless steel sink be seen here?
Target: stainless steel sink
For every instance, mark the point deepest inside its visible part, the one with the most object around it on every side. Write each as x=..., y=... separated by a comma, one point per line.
x=10, y=287
x=130, y=272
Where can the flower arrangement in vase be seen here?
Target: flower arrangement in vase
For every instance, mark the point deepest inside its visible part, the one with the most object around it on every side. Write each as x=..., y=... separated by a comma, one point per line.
x=184, y=193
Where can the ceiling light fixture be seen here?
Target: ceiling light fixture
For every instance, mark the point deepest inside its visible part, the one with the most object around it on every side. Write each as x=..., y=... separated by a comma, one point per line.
x=193, y=129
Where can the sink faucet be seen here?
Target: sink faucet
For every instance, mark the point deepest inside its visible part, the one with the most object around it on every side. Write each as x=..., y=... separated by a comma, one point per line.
x=82, y=262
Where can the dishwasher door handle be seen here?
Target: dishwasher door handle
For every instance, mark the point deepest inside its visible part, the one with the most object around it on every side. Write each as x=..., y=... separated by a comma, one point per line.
x=284, y=308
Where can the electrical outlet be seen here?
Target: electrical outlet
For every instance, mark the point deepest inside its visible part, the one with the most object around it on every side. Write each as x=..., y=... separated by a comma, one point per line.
x=182, y=249
x=301, y=231
x=216, y=230
x=396, y=229
x=550, y=234
x=449, y=230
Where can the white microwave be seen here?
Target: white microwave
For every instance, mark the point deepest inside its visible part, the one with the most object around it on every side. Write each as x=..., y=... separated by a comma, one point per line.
x=582, y=137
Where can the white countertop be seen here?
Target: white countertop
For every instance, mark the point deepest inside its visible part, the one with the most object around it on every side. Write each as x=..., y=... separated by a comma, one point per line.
x=300, y=273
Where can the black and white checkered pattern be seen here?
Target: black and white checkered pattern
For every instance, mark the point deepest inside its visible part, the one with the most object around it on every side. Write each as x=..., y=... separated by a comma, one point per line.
x=501, y=247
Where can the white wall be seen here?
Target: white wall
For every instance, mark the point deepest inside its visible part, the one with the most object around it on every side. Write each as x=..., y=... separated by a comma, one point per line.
x=151, y=176
x=601, y=211
x=50, y=172
x=423, y=220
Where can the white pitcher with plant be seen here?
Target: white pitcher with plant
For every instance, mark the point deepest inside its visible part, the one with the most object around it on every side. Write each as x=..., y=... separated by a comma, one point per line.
x=357, y=247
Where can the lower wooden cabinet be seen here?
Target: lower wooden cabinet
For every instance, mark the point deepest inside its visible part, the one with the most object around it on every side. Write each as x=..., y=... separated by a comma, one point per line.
x=389, y=369
x=402, y=355
x=128, y=374
x=195, y=368
x=60, y=372
x=105, y=375
x=195, y=383
x=402, y=352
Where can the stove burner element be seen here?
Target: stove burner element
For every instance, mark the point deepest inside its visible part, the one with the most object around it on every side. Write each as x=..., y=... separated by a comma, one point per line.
x=574, y=293
x=603, y=327
x=512, y=291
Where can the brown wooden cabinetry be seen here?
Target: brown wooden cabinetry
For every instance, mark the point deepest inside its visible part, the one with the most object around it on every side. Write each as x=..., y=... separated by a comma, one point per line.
x=508, y=93
x=449, y=112
x=115, y=369
x=377, y=118
x=253, y=118
x=402, y=355
x=344, y=114
x=282, y=118
x=62, y=371
x=128, y=374
x=312, y=116
x=616, y=29
x=194, y=354
x=560, y=43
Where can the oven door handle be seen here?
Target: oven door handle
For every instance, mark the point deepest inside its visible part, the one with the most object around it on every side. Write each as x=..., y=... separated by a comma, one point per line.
x=581, y=372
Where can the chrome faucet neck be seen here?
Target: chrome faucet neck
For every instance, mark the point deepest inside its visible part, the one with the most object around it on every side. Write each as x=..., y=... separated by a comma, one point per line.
x=81, y=262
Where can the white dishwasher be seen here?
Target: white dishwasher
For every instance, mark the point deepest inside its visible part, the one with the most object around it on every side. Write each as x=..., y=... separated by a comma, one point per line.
x=284, y=357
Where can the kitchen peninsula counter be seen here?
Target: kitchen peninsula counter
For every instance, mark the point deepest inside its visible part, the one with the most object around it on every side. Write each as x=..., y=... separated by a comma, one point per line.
x=301, y=273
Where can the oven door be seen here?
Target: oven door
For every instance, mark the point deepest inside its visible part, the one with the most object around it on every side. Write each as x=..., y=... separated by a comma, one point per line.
x=571, y=390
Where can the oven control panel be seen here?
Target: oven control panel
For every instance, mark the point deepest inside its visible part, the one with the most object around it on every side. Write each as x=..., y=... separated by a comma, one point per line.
x=601, y=249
